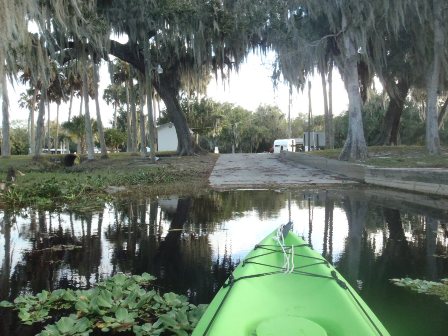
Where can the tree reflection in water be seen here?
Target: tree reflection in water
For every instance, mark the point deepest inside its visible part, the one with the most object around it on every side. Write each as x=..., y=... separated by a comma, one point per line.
x=370, y=236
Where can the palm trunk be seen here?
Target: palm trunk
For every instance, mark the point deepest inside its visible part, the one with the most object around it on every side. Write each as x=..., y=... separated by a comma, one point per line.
x=98, y=113
x=48, y=126
x=32, y=124
x=128, y=120
x=56, y=139
x=133, y=112
x=148, y=79
x=323, y=73
x=88, y=124
x=142, y=117
x=71, y=104
x=330, y=106
x=432, y=130
x=40, y=124
x=6, y=148
x=114, y=123
x=80, y=104
x=355, y=147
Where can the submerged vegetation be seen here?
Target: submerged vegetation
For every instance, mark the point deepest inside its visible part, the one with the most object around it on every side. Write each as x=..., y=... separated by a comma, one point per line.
x=439, y=289
x=120, y=303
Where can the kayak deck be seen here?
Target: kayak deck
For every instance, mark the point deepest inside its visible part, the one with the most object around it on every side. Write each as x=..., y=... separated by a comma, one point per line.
x=289, y=290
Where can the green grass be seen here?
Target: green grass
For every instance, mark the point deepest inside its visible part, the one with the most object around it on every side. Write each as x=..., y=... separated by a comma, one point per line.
x=47, y=183
x=395, y=157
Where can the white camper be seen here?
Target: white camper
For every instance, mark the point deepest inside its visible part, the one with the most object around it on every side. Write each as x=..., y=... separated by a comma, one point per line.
x=284, y=145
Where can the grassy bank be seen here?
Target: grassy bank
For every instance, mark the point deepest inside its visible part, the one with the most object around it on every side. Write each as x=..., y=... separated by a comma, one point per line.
x=48, y=183
x=396, y=157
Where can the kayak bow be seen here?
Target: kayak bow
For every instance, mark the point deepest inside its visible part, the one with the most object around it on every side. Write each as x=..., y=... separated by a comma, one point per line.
x=283, y=287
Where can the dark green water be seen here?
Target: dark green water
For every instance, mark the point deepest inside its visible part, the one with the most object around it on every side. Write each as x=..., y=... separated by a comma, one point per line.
x=192, y=244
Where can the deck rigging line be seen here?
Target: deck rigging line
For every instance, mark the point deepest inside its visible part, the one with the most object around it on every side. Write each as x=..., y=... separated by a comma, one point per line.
x=289, y=252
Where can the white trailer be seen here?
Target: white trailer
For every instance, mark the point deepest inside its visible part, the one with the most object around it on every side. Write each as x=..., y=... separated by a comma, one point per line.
x=284, y=145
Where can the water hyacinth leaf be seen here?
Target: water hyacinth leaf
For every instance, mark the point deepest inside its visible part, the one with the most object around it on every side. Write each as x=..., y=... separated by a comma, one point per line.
x=122, y=315
x=196, y=313
x=6, y=304
x=83, y=325
x=439, y=289
x=105, y=299
x=110, y=307
x=65, y=325
x=82, y=306
x=42, y=296
x=24, y=316
x=119, y=279
x=172, y=299
x=182, y=318
x=148, y=277
x=69, y=296
x=169, y=321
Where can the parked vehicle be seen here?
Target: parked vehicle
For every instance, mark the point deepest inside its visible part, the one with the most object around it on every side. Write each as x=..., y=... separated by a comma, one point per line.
x=284, y=145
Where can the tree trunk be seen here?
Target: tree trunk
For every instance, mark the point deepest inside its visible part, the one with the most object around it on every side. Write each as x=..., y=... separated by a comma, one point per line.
x=99, y=122
x=432, y=129
x=310, y=114
x=70, y=104
x=114, y=122
x=88, y=124
x=32, y=123
x=56, y=139
x=40, y=125
x=330, y=106
x=323, y=72
x=6, y=148
x=48, y=126
x=442, y=113
x=128, y=120
x=169, y=95
x=141, y=86
x=355, y=147
x=168, y=88
x=391, y=123
x=365, y=80
x=148, y=80
x=133, y=112
x=356, y=210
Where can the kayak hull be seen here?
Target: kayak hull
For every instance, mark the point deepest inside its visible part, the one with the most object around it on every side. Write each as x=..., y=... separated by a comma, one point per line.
x=311, y=298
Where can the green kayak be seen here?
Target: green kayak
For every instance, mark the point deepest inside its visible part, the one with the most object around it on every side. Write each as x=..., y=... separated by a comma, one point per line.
x=283, y=287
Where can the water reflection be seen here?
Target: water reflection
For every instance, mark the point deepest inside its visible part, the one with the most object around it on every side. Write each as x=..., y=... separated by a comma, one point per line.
x=192, y=244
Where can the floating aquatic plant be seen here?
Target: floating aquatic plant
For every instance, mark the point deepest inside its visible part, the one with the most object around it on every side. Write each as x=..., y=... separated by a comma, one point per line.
x=439, y=289
x=120, y=303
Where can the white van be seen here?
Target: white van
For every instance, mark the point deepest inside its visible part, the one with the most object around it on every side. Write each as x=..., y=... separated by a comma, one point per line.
x=284, y=145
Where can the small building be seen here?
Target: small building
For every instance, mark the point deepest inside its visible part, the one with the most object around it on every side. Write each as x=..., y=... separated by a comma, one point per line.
x=166, y=138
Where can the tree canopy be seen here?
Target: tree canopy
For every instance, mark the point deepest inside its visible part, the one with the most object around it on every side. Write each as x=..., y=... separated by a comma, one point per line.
x=176, y=44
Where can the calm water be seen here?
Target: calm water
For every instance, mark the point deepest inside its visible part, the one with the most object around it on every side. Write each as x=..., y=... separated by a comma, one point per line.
x=192, y=244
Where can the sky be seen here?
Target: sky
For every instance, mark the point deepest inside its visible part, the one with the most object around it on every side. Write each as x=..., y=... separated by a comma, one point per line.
x=249, y=88
x=252, y=87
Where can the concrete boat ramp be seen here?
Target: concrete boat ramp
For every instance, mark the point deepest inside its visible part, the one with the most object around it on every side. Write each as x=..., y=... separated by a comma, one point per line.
x=266, y=170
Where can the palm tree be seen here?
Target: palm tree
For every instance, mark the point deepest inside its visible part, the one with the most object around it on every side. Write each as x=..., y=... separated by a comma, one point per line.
x=98, y=113
x=6, y=148
x=85, y=94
